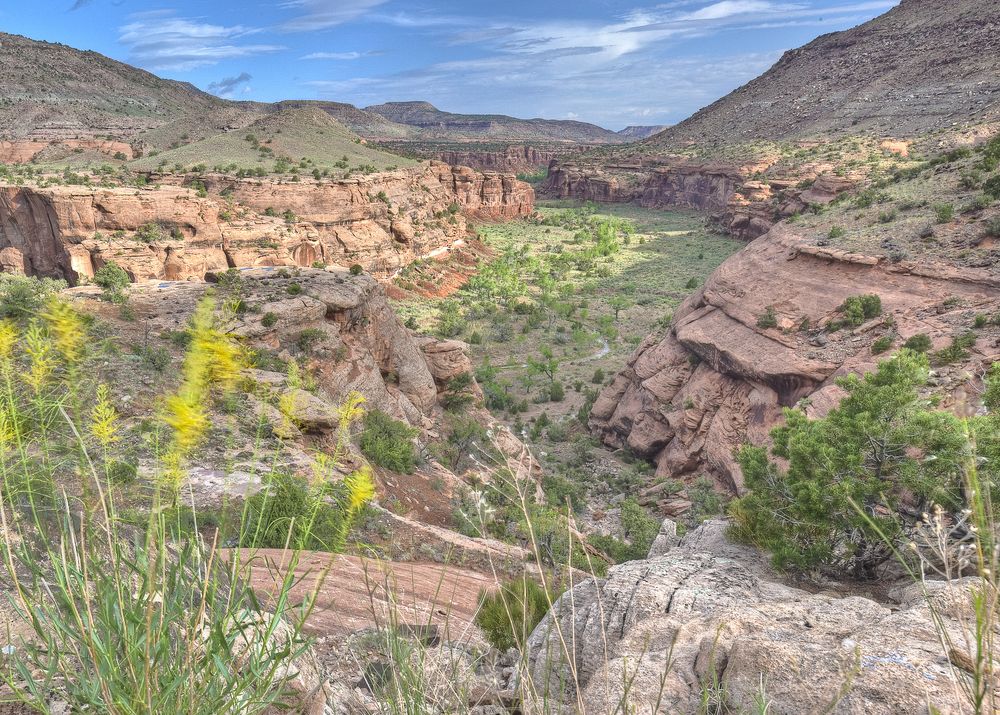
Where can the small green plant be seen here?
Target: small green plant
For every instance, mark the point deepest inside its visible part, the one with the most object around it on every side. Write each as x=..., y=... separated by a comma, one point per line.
x=836, y=232
x=113, y=282
x=150, y=232
x=944, y=213
x=22, y=297
x=388, y=442
x=859, y=308
x=356, y=269
x=919, y=343
x=881, y=344
x=509, y=615
x=293, y=289
x=308, y=339
x=269, y=320
x=768, y=319
x=958, y=350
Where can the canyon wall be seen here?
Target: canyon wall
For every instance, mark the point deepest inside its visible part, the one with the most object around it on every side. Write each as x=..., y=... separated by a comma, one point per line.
x=742, y=206
x=517, y=159
x=382, y=222
x=689, y=399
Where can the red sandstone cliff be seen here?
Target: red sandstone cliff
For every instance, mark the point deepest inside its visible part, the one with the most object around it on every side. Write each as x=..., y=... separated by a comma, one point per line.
x=382, y=222
x=689, y=399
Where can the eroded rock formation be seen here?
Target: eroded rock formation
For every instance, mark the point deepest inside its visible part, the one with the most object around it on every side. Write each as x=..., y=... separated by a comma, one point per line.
x=688, y=399
x=383, y=222
x=708, y=614
x=743, y=206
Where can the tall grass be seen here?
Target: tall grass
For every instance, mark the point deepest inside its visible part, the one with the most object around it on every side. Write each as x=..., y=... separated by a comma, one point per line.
x=123, y=616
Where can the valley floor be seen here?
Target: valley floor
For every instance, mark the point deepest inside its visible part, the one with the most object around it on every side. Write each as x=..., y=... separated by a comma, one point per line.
x=549, y=323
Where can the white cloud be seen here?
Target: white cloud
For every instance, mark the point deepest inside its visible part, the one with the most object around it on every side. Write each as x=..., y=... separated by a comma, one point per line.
x=337, y=55
x=323, y=14
x=610, y=70
x=159, y=41
x=729, y=8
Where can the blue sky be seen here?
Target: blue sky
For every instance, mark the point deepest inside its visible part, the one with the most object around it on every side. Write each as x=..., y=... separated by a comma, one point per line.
x=611, y=62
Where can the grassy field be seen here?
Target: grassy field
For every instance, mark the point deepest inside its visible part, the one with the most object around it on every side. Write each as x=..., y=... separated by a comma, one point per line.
x=298, y=136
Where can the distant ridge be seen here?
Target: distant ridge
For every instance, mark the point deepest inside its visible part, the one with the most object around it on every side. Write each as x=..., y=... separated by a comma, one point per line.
x=642, y=131
x=438, y=125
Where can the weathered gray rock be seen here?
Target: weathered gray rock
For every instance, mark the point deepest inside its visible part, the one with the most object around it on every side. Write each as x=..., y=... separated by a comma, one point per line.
x=709, y=614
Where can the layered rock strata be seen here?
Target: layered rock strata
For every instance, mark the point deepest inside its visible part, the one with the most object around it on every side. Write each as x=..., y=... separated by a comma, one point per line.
x=382, y=222
x=689, y=399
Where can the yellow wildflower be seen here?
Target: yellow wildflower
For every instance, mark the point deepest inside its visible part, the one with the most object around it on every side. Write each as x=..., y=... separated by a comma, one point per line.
x=351, y=410
x=213, y=360
x=8, y=339
x=39, y=350
x=187, y=417
x=8, y=429
x=104, y=418
x=360, y=488
x=67, y=329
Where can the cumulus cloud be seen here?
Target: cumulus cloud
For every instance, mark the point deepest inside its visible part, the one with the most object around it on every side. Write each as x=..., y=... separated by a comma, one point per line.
x=160, y=41
x=227, y=86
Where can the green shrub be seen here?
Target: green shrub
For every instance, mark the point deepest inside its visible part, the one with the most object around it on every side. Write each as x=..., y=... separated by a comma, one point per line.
x=881, y=345
x=388, y=442
x=993, y=227
x=638, y=526
x=121, y=473
x=768, y=319
x=154, y=358
x=919, y=343
x=991, y=187
x=289, y=510
x=293, y=289
x=269, y=320
x=509, y=615
x=958, y=350
x=598, y=377
x=855, y=478
x=556, y=391
x=22, y=297
x=859, y=308
x=836, y=232
x=150, y=232
x=308, y=339
x=944, y=212
x=356, y=269
x=112, y=280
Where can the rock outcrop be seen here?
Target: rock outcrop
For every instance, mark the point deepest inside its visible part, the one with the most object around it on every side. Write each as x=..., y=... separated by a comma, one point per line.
x=689, y=399
x=516, y=158
x=743, y=208
x=711, y=616
x=382, y=222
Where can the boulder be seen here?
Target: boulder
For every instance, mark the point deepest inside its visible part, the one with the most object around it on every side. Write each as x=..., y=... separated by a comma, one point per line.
x=709, y=614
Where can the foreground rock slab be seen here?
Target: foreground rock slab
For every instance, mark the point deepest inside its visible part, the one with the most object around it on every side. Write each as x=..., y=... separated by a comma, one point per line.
x=708, y=616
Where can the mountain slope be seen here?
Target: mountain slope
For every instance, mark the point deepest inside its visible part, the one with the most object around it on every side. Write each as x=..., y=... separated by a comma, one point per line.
x=641, y=131
x=919, y=67
x=439, y=125
x=54, y=91
x=360, y=121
